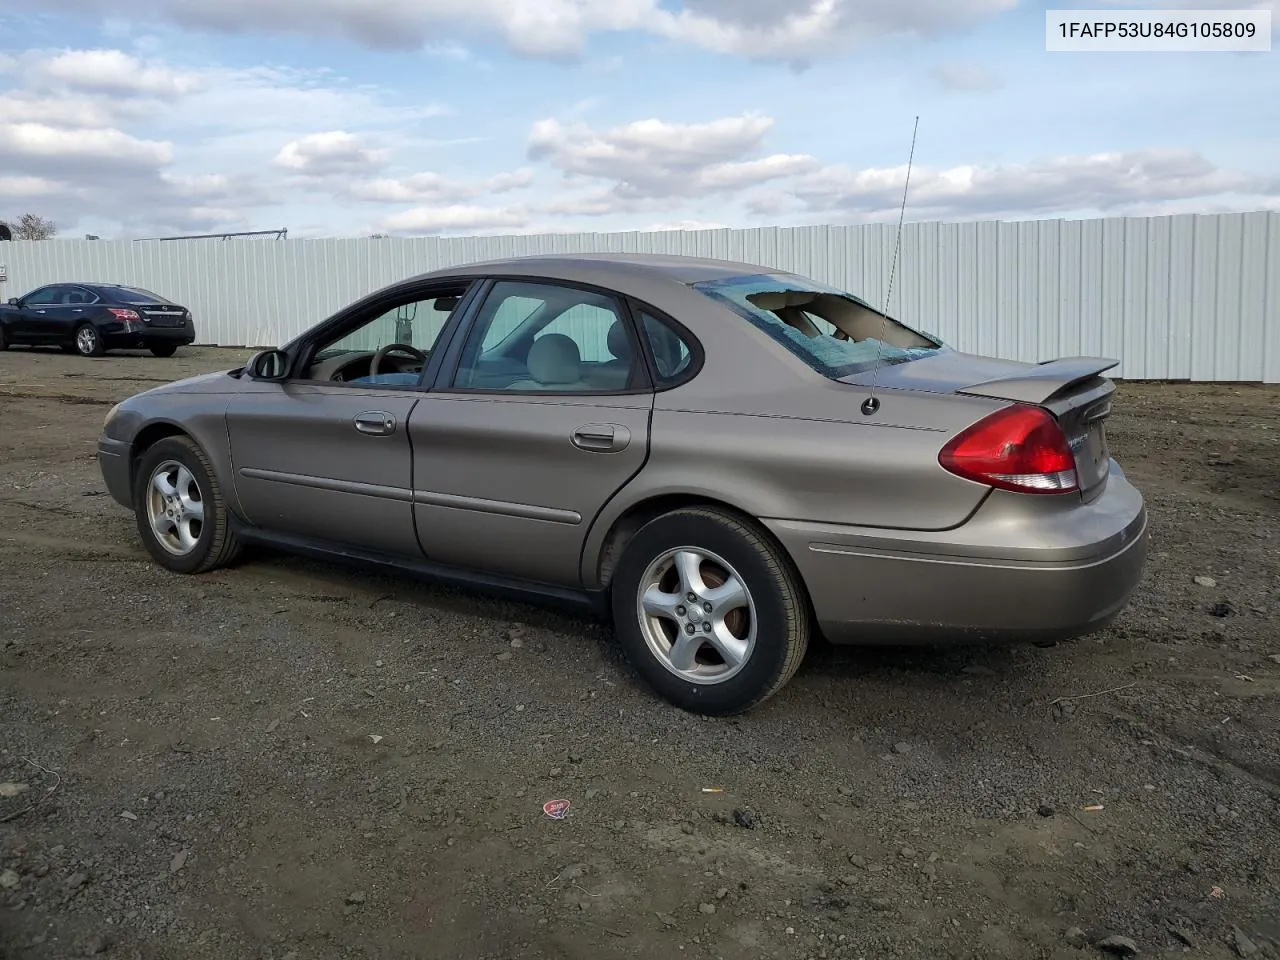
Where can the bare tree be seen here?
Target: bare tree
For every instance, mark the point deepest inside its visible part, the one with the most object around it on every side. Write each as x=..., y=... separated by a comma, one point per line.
x=29, y=226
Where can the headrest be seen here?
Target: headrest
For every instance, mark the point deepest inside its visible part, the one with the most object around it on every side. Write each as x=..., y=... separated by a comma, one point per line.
x=618, y=342
x=554, y=358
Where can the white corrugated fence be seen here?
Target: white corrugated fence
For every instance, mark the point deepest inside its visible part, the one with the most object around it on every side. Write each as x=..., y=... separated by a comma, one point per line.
x=1186, y=297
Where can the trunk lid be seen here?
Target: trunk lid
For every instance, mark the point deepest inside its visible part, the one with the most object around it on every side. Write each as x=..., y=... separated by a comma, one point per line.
x=162, y=314
x=1071, y=388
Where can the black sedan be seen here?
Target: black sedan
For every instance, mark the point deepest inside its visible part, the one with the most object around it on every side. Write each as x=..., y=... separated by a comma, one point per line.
x=92, y=318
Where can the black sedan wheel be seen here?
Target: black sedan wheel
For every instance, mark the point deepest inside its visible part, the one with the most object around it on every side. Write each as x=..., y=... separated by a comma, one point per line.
x=89, y=341
x=709, y=611
x=181, y=514
x=164, y=350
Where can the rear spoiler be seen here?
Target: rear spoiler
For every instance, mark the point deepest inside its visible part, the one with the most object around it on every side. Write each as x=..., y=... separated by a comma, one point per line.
x=1039, y=383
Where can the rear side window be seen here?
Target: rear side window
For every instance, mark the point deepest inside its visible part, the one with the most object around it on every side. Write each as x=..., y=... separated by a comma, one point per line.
x=671, y=354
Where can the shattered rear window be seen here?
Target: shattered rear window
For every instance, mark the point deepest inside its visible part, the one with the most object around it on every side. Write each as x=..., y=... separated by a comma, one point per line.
x=835, y=333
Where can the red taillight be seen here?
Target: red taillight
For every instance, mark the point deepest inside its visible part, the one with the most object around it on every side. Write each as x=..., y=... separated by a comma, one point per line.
x=128, y=316
x=1018, y=448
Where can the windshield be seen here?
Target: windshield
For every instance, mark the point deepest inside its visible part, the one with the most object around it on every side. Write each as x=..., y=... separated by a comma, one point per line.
x=835, y=333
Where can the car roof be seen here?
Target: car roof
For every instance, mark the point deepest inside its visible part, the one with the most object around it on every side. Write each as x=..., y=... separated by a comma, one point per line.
x=638, y=266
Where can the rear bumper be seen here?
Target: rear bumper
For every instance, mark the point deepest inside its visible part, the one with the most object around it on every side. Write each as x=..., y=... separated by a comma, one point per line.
x=150, y=336
x=1016, y=571
x=113, y=461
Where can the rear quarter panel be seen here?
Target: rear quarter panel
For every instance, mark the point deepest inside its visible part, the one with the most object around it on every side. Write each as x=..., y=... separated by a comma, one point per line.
x=798, y=455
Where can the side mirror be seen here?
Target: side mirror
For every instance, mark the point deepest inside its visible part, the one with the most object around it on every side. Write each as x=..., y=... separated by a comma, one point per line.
x=13, y=301
x=268, y=365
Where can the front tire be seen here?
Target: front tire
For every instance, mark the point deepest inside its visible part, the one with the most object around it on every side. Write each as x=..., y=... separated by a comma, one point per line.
x=164, y=350
x=743, y=634
x=88, y=341
x=181, y=513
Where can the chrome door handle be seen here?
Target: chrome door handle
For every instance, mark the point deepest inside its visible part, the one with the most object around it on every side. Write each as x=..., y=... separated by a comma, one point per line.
x=601, y=437
x=375, y=423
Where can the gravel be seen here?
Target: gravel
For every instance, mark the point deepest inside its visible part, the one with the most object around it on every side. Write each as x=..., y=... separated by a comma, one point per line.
x=234, y=716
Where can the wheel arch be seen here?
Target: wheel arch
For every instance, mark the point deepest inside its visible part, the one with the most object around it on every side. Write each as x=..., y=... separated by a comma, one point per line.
x=599, y=564
x=148, y=437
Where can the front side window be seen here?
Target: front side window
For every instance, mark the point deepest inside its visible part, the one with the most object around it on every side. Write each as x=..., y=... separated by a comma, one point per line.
x=44, y=297
x=542, y=337
x=390, y=348
x=835, y=333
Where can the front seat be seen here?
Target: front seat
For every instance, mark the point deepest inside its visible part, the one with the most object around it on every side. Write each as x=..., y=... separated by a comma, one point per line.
x=555, y=363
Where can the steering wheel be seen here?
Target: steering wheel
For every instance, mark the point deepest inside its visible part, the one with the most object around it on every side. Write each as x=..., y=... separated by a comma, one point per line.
x=375, y=362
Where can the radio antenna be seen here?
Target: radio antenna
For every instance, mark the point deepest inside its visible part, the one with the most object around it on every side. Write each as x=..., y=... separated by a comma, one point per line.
x=872, y=403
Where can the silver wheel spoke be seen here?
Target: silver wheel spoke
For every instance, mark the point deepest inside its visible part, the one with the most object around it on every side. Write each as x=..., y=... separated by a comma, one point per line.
x=659, y=604
x=689, y=569
x=163, y=484
x=733, y=650
x=189, y=493
x=684, y=651
x=163, y=526
x=728, y=596
x=185, y=535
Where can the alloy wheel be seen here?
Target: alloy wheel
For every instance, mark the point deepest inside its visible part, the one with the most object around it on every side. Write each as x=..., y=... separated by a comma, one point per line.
x=175, y=508
x=696, y=615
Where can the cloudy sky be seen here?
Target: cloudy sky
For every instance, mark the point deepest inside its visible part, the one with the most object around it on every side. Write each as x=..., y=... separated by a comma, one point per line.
x=130, y=118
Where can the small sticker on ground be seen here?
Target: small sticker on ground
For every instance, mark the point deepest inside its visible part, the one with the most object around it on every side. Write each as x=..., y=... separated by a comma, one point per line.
x=556, y=809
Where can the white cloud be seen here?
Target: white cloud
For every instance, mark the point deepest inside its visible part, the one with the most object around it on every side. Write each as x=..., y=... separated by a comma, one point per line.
x=1103, y=182
x=434, y=188
x=331, y=153
x=23, y=187
x=654, y=159
x=966, y=77
x=798, y=31
x=686, y=225
x=24, y=107
x=458, y=218
x=113, y=72
x=37, y=145
x=804, y=31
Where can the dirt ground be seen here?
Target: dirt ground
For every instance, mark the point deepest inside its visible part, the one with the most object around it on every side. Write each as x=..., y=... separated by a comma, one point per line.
x=290, y=760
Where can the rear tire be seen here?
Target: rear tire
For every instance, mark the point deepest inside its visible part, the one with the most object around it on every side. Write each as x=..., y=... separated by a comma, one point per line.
x=742, y=637
x=180, y=510
x=4, y=344
x=88, y=341
x=165, y=350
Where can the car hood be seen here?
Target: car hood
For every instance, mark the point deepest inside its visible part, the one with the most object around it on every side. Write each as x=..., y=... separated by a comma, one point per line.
x=949, y=371
x=221, y=382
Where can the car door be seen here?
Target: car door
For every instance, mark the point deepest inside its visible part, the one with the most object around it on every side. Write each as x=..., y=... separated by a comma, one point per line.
x=33, y=320
x=329, y=460
x=72, y=307
x=544, y=417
